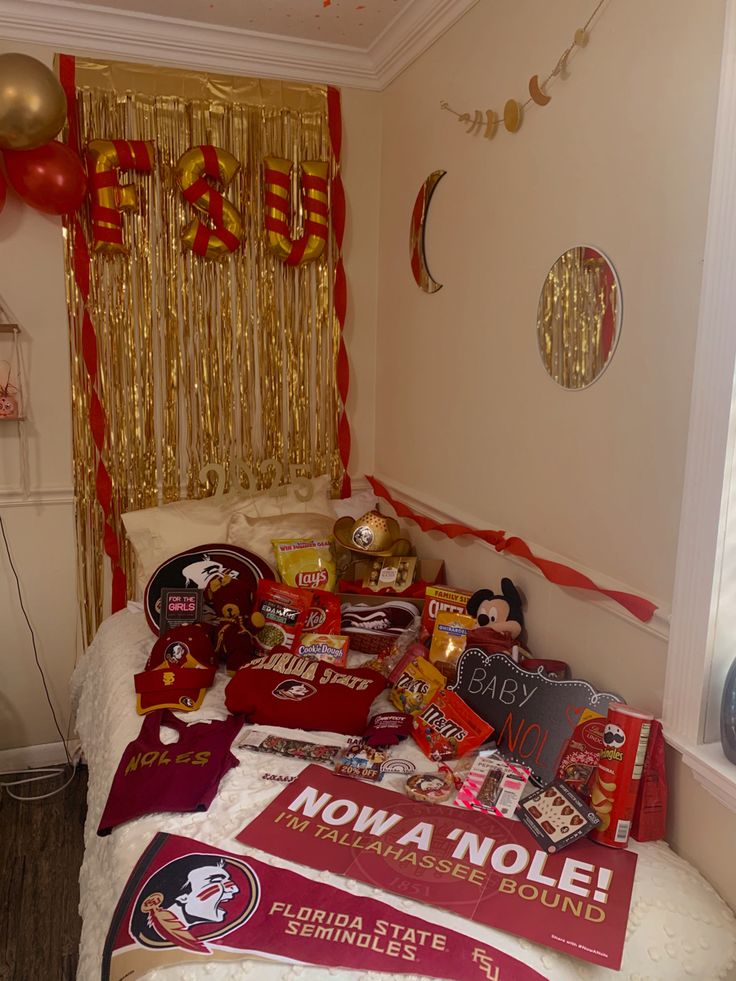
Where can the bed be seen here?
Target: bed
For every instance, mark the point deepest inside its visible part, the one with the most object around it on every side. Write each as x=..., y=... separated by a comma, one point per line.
x=679, y=928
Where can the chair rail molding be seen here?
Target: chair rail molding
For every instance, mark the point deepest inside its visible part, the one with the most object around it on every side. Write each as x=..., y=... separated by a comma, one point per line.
x=426, y=505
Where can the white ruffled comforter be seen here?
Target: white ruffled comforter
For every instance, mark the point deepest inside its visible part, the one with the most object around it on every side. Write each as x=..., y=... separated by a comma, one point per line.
x=679, y=928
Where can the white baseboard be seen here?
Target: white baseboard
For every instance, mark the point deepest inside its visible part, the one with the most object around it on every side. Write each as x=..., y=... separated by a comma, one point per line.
x=28, y=757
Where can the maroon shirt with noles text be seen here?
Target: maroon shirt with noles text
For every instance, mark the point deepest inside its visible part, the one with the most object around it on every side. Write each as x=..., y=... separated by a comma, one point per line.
x=153, y=776
x=301, y=693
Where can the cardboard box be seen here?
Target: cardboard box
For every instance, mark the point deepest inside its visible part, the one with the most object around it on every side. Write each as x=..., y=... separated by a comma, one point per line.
x=376, y=642
x=428, y=570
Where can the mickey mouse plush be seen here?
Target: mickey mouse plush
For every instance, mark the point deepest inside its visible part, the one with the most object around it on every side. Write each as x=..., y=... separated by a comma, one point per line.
x=500, y=612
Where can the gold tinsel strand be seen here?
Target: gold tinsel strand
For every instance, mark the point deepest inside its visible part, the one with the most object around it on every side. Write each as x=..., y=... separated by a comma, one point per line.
x=199, y=361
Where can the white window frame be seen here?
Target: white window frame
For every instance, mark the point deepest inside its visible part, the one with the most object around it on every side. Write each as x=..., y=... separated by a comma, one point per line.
x=700, y=638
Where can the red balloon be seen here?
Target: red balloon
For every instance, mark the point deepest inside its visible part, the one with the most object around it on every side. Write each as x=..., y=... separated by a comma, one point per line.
x=50, y=178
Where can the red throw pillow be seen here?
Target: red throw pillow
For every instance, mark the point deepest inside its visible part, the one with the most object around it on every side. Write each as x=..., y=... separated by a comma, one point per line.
x=301, y=693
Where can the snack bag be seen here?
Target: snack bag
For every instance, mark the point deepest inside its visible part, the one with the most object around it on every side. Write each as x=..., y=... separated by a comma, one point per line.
x=416, y=686
x=325, y=647
x=307, y=564
x=324, y=614
x=448, y=728
x=284, y=611
x=448, y=641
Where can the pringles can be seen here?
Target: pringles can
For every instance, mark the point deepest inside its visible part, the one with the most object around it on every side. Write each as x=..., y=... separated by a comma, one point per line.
x=618, y=776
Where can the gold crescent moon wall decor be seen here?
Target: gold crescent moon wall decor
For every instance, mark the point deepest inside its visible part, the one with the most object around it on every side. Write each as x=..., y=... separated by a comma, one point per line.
x=417, y=231
x=536, y=93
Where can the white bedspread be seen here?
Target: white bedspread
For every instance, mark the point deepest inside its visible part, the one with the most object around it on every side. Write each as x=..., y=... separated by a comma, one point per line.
x=679, y=928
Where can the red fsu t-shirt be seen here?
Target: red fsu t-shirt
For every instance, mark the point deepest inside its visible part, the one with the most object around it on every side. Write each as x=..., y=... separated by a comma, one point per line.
x=301, y=693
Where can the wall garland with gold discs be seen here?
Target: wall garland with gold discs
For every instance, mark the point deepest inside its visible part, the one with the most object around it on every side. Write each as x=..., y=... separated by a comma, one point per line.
x=513, y=111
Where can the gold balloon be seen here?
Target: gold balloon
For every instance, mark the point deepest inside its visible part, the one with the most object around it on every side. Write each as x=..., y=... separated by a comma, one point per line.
x=32, y=103
x=276, y=212
x=191, y=168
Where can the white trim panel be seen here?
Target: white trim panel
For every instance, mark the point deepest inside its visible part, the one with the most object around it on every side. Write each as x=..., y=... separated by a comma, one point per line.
x=11, y=497
x=710, y=768
x=29, y=757
x=134, y=36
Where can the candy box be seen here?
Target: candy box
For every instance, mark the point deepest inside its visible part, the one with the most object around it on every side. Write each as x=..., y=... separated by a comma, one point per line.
x=426, y=571
x=438, y=598
x=556, y=817
x=579, y=757
x=493, y=785
x=394, y=572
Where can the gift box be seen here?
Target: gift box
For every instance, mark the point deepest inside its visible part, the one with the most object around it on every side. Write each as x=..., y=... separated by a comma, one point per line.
x=430, y=572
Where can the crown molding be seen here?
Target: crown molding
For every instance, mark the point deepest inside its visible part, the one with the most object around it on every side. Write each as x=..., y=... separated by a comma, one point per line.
x=411, y=33
x=134, y=36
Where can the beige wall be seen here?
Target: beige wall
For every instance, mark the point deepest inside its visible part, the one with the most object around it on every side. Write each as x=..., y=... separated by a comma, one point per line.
x=619, y=159
x=466, y=418
x=42, y=534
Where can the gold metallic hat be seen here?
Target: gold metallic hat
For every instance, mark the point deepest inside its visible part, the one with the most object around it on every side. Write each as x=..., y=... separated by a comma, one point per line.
x=373, y=534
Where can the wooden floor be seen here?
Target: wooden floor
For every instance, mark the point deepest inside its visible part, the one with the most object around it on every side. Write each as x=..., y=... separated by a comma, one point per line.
x=41, y=845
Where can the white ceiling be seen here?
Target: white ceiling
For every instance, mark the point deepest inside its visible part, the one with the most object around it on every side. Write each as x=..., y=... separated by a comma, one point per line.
x=354, y=23
x=363, y=43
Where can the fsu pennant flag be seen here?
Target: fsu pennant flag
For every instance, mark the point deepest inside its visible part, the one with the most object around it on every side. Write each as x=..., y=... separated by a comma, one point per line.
x=187, y=901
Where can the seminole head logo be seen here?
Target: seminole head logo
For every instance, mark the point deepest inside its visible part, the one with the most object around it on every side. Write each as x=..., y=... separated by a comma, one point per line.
x=192, y=900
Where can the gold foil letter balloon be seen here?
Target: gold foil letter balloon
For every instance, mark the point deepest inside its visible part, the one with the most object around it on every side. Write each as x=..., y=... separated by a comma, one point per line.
x=32, y=103
x=277, y=199
x=193, y=166
x=109, y=197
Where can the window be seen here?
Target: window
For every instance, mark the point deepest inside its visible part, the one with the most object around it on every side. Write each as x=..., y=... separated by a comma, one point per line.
x=703, y=629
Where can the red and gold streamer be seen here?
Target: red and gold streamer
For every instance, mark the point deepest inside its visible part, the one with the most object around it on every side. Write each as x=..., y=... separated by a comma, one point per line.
x=97, y=419
x=340, y=291
x=178, y=361
x=555, y=572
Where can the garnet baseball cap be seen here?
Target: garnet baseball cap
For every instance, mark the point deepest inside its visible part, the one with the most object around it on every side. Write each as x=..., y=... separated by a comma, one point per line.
x=179, y=670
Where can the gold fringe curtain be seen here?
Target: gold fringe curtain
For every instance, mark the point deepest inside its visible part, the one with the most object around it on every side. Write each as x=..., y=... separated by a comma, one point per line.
x=199, y=360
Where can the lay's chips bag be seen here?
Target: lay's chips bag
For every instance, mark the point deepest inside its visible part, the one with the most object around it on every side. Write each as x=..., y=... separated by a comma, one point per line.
x=307, y=564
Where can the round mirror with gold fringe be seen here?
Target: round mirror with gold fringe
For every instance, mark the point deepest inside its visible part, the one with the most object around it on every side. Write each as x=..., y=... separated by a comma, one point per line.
x=579, y=317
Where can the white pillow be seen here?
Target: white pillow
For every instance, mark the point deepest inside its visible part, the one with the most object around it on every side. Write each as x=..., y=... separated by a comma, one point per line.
x=158, y=533
x=294, y=500
x=256, y=534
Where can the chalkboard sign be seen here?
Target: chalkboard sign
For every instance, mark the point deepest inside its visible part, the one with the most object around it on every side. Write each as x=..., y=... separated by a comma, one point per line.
x=533, y=716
